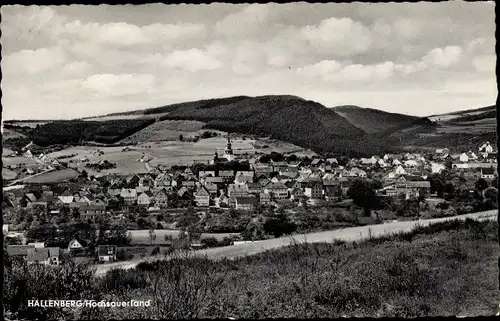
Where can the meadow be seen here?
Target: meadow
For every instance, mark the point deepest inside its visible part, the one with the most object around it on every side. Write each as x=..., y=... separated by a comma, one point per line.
x=169, y=152
x=54, y=176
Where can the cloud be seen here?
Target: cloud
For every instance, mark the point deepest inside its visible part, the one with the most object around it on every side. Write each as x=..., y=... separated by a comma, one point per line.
x=119, y=85
x=334, y=71
x=191, y=60
x=33, y=62
x=77, y=68
x=126, y=34
x=444, y=58
x=342, y=37
x=244, y=23
x=485, y=63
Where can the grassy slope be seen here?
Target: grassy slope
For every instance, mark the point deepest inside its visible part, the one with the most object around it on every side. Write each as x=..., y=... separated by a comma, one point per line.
x=446, y=269
x=373, y=120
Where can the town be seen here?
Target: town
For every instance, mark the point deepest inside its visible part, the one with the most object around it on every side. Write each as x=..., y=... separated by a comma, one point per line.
x=233, y=198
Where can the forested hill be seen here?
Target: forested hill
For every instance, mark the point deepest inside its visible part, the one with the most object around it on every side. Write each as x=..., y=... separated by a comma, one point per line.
x=288, y=118
x=374, y=120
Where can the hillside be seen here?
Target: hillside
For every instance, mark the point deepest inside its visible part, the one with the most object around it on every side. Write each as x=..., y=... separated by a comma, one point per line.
x=464, y=113
x=304, y=123
x=373, y=120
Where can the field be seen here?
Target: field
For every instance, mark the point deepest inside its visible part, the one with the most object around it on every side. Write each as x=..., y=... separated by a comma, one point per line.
x=142, y=236
x=52, y=177
x=120, y=117
x=479, y=126
x=17, y=160
x=8, y=134
x=169, y=153
x=166, y=130
x=7, y=174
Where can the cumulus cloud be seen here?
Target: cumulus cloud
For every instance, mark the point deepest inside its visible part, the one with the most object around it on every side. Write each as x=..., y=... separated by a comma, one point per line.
x=341, y=37
x=33, y=62
x=245, y=22
x=334, y=71
x=443, y=57
x=191, y=60
x=119, y=85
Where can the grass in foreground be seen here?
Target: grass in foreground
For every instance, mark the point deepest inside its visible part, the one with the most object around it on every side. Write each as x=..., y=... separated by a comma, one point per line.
x=445, y=269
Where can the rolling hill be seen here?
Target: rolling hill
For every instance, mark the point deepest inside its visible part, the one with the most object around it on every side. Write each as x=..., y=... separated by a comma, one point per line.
x=374, y=120
x=288, y=118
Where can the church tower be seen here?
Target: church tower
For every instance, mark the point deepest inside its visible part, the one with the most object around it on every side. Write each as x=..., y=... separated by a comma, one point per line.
x=228, y=152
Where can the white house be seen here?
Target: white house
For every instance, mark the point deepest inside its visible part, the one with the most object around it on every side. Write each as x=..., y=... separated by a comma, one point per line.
x=74, y=244
x=486, y=148
x=66, y=197
x=411, y=163
x=400, y=170
x=396, y=162
x=437, y=168
x=464, y=158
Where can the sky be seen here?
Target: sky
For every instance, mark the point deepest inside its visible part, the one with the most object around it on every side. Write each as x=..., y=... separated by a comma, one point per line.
x=63, y=62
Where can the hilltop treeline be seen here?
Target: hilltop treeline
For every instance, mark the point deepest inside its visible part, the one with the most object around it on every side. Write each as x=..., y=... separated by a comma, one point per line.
x=77, y=131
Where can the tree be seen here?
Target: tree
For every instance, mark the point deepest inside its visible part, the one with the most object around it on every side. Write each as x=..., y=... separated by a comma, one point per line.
x=279, y=225
x=437, y=185
x=491, y=193
x=363, y=195
x=481, y=184
x=181, y=138
x=448, y=163
x=152, y=235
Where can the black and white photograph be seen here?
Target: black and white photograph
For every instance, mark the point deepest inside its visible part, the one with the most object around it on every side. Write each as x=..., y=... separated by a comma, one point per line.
x=249, y=161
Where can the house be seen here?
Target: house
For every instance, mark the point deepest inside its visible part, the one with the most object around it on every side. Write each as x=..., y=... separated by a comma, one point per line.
x=129, y=196
x=234, y=190
x=332, y=189
x=442, y=151
x=486, y=148
x=488, y=173
x=160, y=199
x=411, y=163
x=277, y=190
x=66, y=197
x=18, y=250
x=464, y=157
x=316, y=162
x=400, y=170
x=254, y=188
x=227, y=176
x=296, y=194
x=37, y=245
x=313, y=189
x=75, y=245
x=437, y=168
x=396, y=162
x=133, y=180
x=92, y=211
x=222, y=201
x=145, y=199
x=245, y=203
x=242, y=178
x=106, y=253
x=202, y=197
x=204, y=174
x=265, y=199
x=47, y=256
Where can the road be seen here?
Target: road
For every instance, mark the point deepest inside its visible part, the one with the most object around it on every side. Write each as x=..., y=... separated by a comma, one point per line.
x=347, y=234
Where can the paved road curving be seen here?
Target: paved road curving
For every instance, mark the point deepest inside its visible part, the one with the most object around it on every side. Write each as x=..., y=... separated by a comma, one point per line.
x=347, y=234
